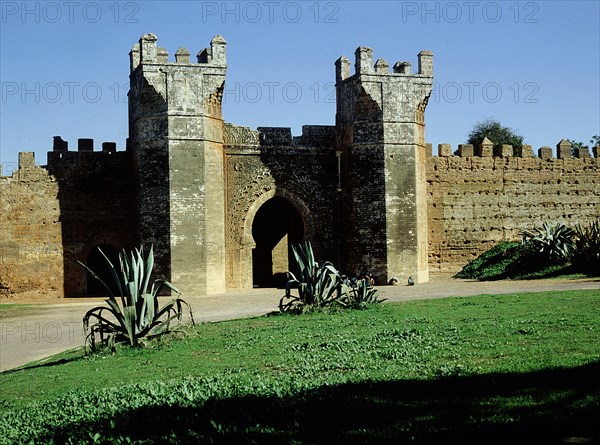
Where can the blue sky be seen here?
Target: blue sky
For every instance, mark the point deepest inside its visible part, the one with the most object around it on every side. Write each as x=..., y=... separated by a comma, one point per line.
x=534, y=66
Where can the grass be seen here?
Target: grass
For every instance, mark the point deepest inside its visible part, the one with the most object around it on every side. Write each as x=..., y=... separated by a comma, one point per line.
x=488, y=369
x=11, y=310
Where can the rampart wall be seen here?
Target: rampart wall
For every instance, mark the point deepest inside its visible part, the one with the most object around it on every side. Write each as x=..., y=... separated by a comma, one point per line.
x=31, y=249
x=475, y=202
x=53, y=216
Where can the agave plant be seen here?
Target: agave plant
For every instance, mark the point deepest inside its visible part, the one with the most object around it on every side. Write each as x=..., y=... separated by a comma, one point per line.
x=554, y=243
x=134, y=313
x=587, y=247
x=318, y=285
x=362, y=295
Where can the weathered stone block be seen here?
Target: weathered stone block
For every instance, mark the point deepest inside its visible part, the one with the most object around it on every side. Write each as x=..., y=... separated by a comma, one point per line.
x=582, y=152
x=524, y=151
x=382, y=67
x=182, y=56
x=85, y=144
x=425, y=59
x=429, y=149
x=402, y=67
x=26, y=160
x=59, y=144
x=503, y=151
x=109, y=147
x=466, y=150
x=275, y=135
x=486, y=148
x=545, y=152
x=563, y=149
x=444, y=150
x=162, y=55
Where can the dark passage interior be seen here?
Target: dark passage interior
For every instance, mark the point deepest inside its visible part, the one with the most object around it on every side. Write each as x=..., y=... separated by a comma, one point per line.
x=277, y=226
x=97, y=263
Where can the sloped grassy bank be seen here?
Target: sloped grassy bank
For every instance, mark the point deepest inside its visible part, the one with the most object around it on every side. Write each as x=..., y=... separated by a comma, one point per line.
x=518, y=368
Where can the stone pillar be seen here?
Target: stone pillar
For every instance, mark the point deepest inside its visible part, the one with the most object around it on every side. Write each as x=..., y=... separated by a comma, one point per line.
x=342, y=69
x=425, y=63
x=563, y=149
x=504, y=151
x=525, y=151
x=429, y=149
x=486, y=148
x=402, y=67
x=466, y=150
x=59, y=144
x=26, y=160
x=545, y=152
x=381, y=66
x=582, y=152
x=162, y=55
x=364, y=60
x=109, y=147
x=148, y=48
x=444, y=150
x=84, y=144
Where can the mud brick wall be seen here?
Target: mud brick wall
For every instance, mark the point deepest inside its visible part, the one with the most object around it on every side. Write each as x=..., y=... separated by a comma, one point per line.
x=476, y=202
x=31, y=251
x=97, y=207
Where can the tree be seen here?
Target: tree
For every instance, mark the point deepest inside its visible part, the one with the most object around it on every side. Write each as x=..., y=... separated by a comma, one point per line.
x=594, y=141
x=575, y=146
x=495, y=132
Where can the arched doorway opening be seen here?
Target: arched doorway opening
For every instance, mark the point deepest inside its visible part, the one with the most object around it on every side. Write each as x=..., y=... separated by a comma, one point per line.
x=97, y=263
x=276, y=227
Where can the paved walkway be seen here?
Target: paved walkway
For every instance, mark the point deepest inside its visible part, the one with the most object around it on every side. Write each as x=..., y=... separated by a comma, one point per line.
x=54, y=326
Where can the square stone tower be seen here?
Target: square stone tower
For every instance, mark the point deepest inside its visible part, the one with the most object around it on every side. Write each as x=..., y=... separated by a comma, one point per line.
x=176, y=135
x=381, y=140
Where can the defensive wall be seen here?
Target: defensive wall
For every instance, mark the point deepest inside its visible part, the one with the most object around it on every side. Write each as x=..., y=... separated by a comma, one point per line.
x=223, y=204
x=476, y=201
x=473, y=201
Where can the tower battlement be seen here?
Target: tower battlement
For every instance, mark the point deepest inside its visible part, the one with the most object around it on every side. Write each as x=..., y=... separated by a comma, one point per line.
x=363, y=65
x=147, y=51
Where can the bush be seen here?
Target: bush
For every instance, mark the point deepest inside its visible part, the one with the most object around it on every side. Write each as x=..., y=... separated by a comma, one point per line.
x=138, y=315
x=587, y=248
x=498, y=263
x=544, y=252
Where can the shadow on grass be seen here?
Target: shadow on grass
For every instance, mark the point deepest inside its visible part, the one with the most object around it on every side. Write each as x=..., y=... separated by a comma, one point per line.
x=545, y=407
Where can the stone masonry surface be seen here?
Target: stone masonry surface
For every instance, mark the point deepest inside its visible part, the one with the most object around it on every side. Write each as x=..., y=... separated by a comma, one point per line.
x=223, y=204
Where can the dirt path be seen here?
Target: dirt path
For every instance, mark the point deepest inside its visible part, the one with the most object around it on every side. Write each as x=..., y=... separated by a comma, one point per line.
x=53, y=326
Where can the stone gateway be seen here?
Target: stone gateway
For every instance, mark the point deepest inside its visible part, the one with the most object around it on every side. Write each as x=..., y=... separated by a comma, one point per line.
x=223, y=204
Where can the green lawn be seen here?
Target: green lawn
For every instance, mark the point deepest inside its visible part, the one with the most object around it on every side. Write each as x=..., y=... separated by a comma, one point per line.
x=10, y=310
x=489, y=369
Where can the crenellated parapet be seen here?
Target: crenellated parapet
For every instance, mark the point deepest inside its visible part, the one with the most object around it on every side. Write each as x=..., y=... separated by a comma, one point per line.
x=374, y=93
x=61, y=154
x=312, y=137
x=487, y=149
x=147, y=52
x=363, y=65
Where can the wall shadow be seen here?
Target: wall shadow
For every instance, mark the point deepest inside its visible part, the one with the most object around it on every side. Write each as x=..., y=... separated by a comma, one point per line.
x=97, y=205
x=480, y=409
